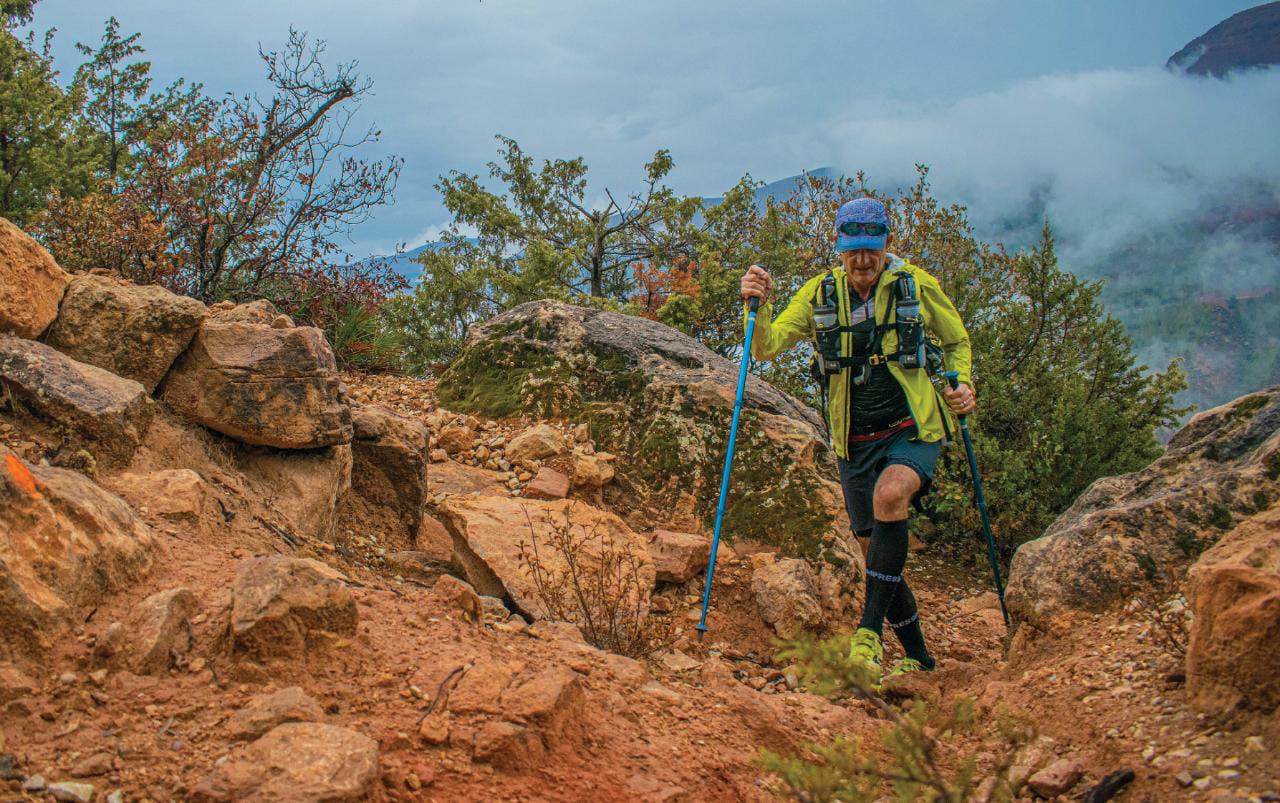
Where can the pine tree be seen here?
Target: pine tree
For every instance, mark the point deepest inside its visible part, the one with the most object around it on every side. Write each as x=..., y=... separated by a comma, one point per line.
x=114, y=90
x=43, y=144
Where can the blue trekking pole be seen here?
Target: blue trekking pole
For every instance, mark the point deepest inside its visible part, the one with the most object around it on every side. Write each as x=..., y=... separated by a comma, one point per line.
x=754, y=306
x=954, y=380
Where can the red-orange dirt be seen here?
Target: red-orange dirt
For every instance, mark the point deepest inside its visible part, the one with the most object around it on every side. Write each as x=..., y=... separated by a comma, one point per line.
x=530, y=714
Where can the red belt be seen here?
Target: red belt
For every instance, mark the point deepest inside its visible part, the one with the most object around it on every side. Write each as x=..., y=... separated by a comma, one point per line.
x=884, y=433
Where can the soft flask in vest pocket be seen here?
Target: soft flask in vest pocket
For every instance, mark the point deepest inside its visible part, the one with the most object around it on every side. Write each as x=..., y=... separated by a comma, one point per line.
x=910, y=326
x=826, y=325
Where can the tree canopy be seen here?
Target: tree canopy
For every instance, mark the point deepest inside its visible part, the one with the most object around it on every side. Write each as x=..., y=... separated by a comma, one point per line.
x=1062, y=398
x=237, y=197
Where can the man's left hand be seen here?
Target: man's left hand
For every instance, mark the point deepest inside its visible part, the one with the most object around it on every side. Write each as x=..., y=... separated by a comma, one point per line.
x=961, y=399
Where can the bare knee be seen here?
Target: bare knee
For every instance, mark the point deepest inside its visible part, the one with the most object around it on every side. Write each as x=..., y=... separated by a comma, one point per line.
x=894, y=490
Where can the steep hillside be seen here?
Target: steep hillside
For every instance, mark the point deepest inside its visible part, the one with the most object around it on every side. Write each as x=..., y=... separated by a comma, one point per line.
x=1243, y=41
x=228, y=572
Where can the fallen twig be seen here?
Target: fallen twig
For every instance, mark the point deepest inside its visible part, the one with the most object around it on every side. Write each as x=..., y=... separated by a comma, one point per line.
x=442, y=693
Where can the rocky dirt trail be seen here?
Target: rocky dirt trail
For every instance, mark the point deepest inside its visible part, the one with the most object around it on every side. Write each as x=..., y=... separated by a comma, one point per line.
x=229, y=572
x=527, y=713
x=685, y=726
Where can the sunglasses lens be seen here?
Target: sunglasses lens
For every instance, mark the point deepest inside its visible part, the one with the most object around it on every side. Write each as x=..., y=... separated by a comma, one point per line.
x=873, y=229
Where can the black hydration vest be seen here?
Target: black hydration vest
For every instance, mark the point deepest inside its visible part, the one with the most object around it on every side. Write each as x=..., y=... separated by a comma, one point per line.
x=915, y=350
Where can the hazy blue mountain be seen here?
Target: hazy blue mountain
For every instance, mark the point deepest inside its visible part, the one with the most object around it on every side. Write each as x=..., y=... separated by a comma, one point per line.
x=405, y=265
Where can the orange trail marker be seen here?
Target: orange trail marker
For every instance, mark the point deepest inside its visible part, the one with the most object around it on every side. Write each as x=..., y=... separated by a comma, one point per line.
x=21, y=476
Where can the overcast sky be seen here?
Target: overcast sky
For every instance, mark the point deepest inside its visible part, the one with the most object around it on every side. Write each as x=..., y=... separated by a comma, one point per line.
x=1000, y=96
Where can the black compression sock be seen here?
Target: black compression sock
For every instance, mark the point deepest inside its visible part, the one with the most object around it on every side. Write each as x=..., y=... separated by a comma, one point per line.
x=904, y=618
x=885, y=560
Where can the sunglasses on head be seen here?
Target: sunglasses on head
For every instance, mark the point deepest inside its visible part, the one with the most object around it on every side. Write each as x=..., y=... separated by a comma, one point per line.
x=853, y=229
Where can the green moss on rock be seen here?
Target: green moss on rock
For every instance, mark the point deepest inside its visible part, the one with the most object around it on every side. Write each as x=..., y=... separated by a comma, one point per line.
x=671, y=443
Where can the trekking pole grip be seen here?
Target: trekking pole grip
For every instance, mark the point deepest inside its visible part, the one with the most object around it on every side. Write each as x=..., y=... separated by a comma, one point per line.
x=953, y=379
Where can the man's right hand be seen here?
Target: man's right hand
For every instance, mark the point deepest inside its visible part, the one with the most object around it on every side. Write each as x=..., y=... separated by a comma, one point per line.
x=756, y=282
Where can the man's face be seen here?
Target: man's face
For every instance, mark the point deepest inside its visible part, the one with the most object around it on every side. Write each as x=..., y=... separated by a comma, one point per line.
x=863, y=266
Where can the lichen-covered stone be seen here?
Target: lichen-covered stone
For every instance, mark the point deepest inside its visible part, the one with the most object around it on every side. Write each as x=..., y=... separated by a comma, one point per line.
x=1222, y=467
x=662, y=403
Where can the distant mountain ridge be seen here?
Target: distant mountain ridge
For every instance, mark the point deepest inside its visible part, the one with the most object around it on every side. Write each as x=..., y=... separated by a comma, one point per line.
x=1244, y=41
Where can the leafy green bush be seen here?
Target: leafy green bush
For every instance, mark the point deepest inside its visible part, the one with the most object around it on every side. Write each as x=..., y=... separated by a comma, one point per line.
x=1062, y=400
x=361, y=340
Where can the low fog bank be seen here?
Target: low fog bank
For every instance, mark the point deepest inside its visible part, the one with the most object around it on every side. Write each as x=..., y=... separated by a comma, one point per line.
x=1167, y=186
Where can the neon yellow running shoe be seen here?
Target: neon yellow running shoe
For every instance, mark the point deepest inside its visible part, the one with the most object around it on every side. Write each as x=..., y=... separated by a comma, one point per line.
x=866, y=653
x=904, y=666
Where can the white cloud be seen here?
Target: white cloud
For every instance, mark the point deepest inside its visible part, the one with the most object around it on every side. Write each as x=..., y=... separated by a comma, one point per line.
x=1104, y=155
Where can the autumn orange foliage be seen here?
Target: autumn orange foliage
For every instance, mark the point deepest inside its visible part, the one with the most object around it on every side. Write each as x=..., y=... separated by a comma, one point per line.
x=656, y=283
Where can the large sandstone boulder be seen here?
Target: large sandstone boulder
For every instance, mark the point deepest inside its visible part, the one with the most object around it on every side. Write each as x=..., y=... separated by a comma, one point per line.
x=302, y=488
x=63, y=543
x=489, y=531
x=662, y=403
x=107, y=414
x=260, y=385
x=1220, y=468
x=389, y=472
x=31, y=284
x=280, y=606
x=302, y=761
x=134, y=332
x=1234, y=653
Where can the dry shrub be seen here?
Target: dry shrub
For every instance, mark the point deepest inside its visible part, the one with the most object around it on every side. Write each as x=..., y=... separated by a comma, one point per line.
x=106, y=232
x=585, y=576
x=1161, y=604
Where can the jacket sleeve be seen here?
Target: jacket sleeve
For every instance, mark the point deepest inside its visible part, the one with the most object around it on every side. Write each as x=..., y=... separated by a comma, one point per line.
x=941, y=316
x=772, y=337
